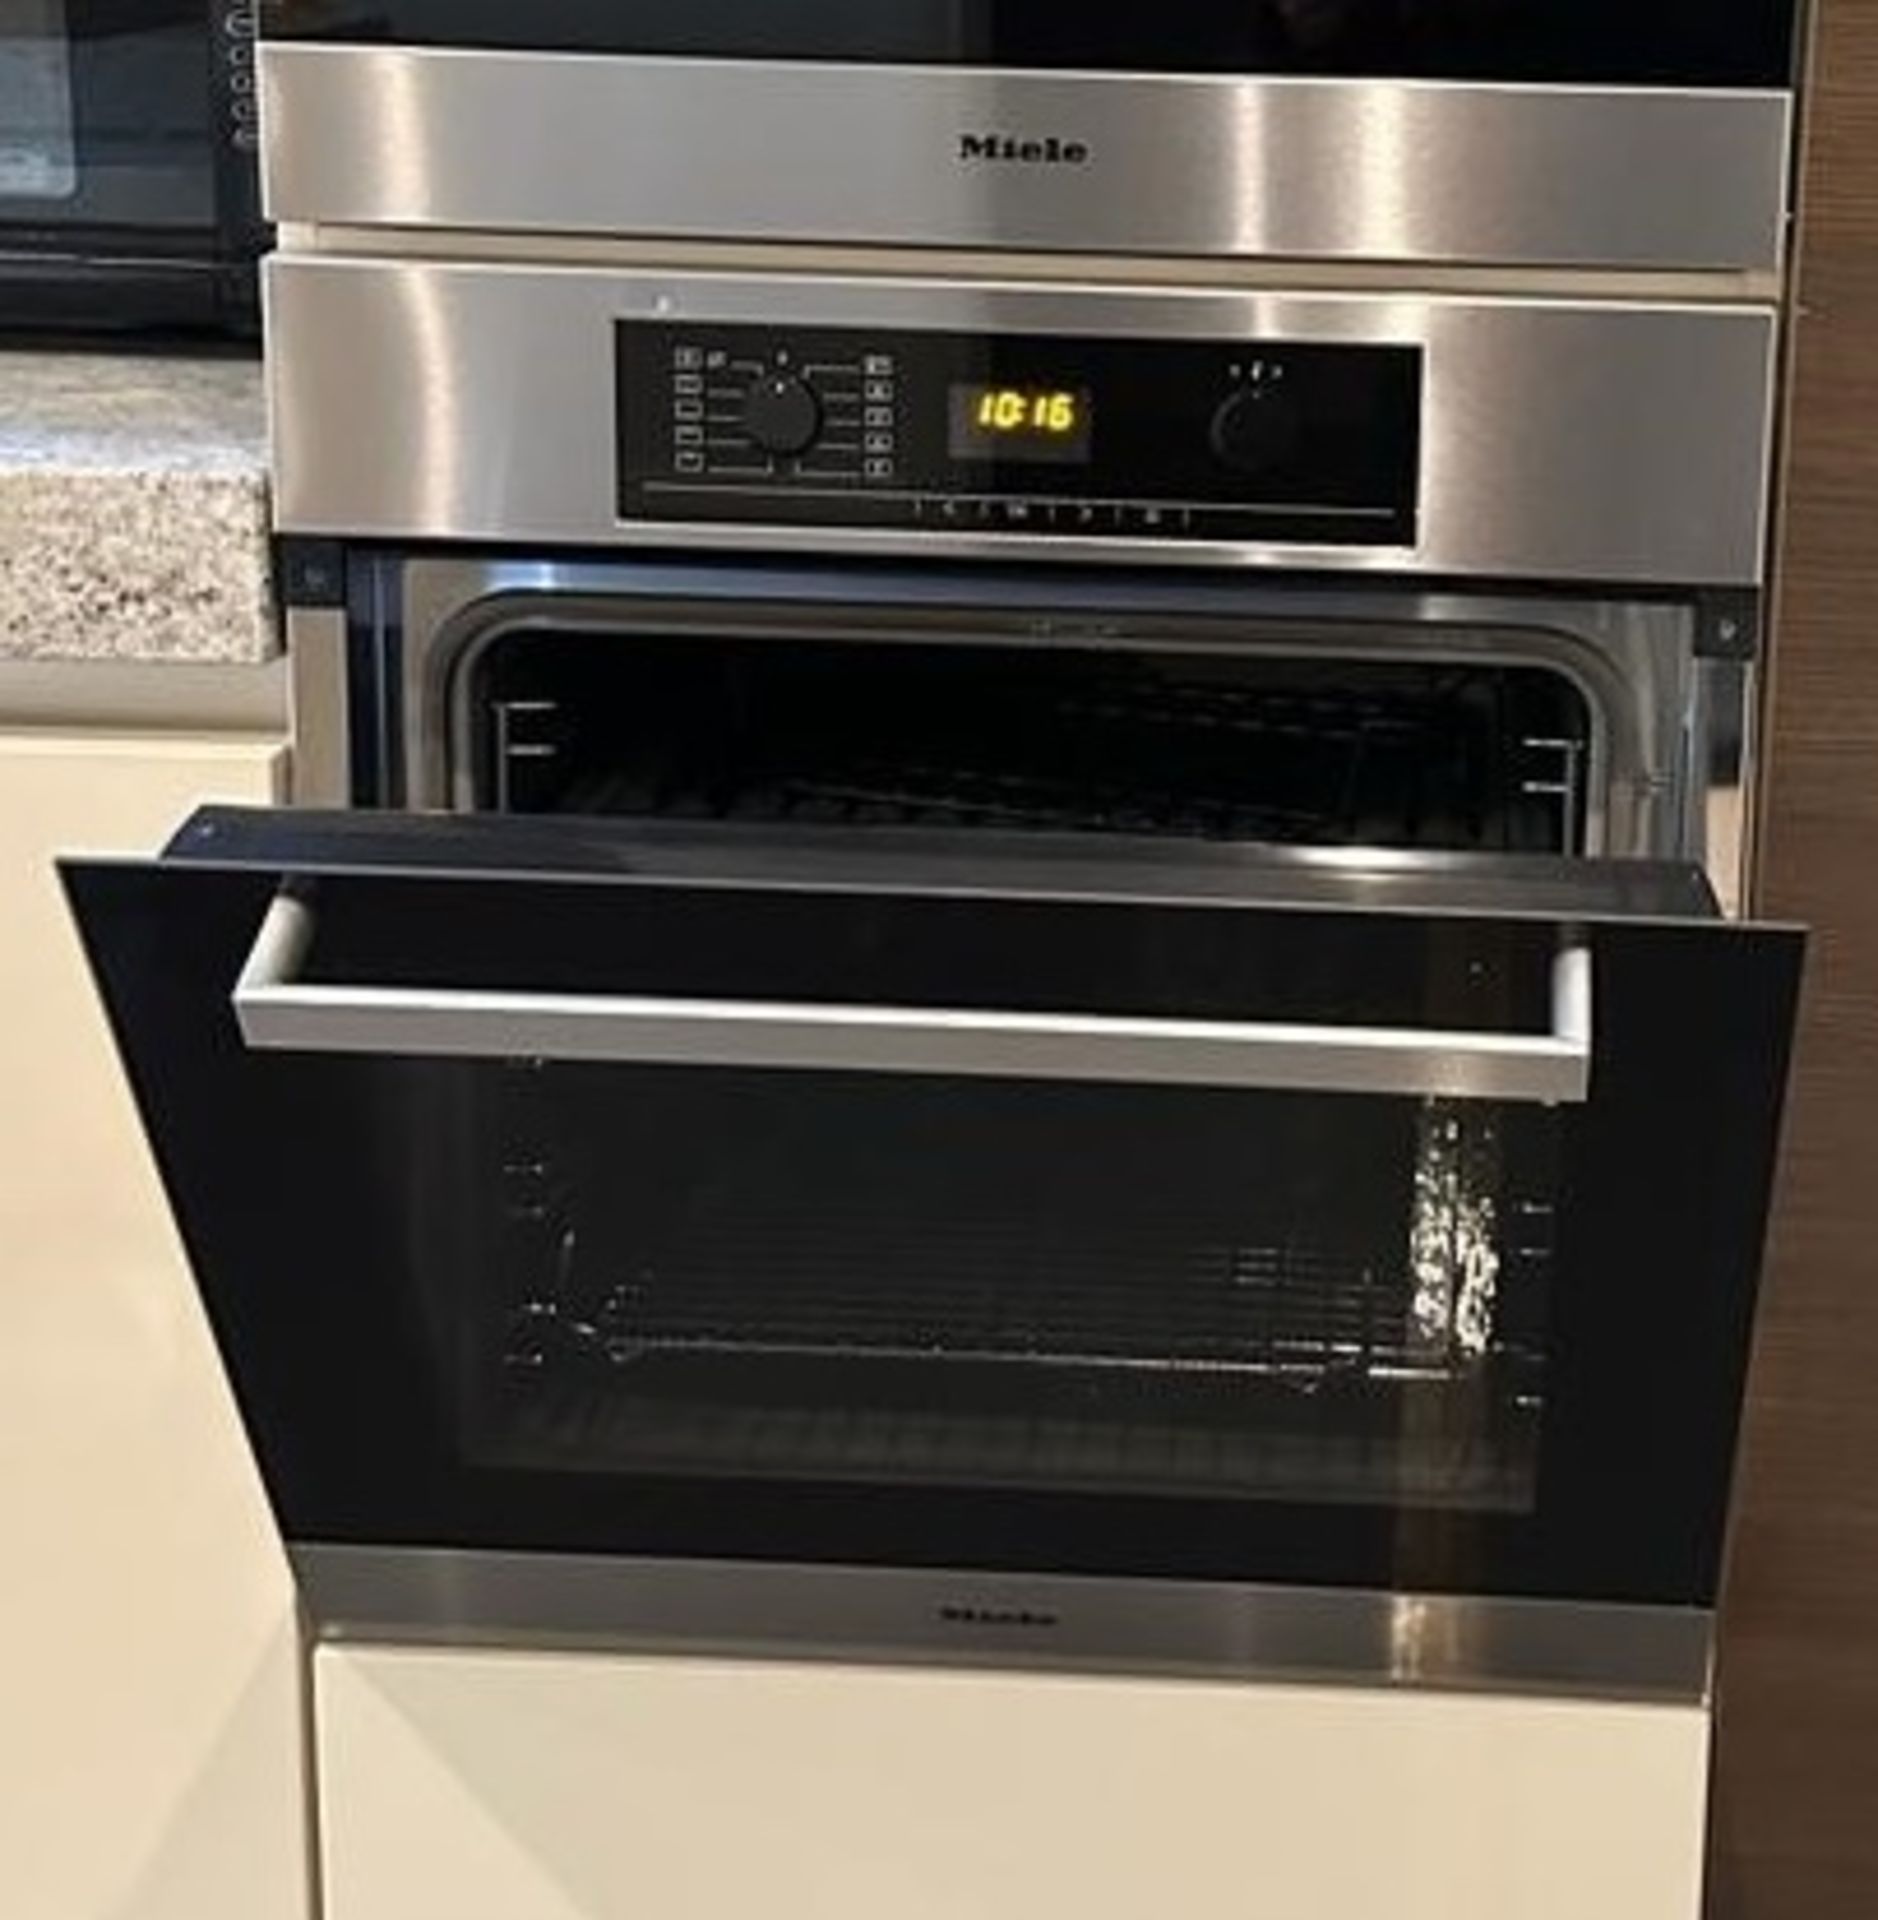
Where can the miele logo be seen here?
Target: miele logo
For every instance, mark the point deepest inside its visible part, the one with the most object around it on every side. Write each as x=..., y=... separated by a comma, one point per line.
x=958, y=1616
x=1010, y=149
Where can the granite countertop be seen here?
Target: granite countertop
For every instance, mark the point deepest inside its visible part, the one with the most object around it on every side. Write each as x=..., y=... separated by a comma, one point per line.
x=133, y=509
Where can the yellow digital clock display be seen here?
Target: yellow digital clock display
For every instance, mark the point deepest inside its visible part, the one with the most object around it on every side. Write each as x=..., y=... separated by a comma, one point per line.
x=1027, y=410
x=990, y=422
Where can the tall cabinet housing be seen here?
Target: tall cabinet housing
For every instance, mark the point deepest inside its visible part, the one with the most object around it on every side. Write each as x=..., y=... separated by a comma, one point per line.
x=1799, y=1665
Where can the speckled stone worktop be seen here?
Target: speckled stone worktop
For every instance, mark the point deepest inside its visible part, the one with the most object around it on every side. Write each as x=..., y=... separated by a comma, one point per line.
x=133, y=509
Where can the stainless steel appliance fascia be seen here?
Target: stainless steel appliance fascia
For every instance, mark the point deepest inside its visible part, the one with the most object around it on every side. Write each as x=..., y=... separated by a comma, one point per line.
x=1305, y=169
x=753, y=1610
x=1572, y=441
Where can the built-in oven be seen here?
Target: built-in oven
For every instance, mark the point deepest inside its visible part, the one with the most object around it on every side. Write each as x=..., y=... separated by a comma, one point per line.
x=129, y=164
x=1014, y=937
x=1099, y=1033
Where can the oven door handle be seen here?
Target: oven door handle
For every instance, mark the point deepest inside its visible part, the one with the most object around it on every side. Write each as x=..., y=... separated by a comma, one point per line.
x=278, y=1012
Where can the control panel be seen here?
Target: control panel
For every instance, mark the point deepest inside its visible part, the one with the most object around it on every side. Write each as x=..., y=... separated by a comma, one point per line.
x=1071, y=436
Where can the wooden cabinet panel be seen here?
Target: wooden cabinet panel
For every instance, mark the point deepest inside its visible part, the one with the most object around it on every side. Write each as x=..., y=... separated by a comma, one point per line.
x=511, y=1786
x=1796, y=1804
x=149, y=1717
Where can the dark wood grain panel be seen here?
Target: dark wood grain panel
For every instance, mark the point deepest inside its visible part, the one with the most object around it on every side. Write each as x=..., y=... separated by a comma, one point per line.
x=1796, y=1804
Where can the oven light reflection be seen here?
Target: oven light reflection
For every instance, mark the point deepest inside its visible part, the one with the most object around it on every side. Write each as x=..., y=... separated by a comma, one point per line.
x=1454, y=1254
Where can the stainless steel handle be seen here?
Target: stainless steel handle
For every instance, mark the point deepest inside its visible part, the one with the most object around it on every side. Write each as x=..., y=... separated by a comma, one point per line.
x=277, y=1012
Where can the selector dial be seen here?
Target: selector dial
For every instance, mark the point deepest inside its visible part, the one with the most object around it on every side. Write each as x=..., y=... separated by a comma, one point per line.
x=782, y=414
x=1256, y=429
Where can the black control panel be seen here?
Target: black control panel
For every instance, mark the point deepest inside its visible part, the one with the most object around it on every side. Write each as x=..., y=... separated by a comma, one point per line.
x=1081, y=437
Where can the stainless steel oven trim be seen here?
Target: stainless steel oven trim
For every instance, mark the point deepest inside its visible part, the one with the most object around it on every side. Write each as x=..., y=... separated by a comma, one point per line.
x=1723, y=759
x=277, y=1011
x=321, y=774
x=1747, y=287
x=1563, y=440
x=1151, y=164
x=1634, y=663
x=1589, y=1649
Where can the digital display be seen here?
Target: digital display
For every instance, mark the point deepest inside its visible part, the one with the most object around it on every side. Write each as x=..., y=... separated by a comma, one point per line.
x=992, y=422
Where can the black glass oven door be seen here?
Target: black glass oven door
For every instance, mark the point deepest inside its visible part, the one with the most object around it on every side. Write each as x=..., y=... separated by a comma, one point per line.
x=964, y=1201
x=1613, y=42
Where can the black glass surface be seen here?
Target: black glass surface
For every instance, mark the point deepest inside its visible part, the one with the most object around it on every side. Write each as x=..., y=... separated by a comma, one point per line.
x=1667, y=42
x=129, y=186
x=109, y=115
x=1266, y=439
x=1462, y=1346
x=1293, y=1299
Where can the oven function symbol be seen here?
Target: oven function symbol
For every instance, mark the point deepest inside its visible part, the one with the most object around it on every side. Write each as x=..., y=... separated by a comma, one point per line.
x=1156, y=520
x=972, y=510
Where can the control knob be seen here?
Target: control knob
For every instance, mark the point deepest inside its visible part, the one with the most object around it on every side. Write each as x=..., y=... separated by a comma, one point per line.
x=1256, y=429
x=782, y=414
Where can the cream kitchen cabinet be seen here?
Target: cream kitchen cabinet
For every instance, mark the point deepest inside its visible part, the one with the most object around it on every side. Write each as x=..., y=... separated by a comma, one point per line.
x=516, y=1786
x=150, y=1727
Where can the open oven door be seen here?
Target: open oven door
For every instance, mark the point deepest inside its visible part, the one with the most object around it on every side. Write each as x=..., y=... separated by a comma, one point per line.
x=1012, y=1246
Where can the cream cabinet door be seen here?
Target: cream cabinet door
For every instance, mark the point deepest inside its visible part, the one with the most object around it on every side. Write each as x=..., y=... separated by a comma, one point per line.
x=511, y=1786
x=150, y=1732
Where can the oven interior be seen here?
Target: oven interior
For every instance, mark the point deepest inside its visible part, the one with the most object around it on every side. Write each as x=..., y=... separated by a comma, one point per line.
x=1212, y=742
x=1298, y=1298
x=836, y=1277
